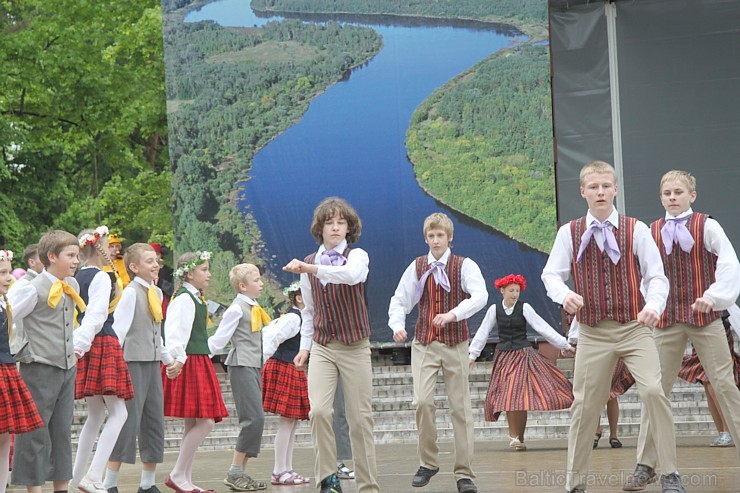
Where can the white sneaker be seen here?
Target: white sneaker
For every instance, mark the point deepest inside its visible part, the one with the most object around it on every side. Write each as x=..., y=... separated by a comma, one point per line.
x=723, y=440
x=516, y=444
x=344, y=472
x=87, y=485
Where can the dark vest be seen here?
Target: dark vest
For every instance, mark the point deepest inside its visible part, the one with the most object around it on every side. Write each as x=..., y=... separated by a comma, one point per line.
x=512, y=329
x=289, y=348
x=84, y=279
x=5, y=356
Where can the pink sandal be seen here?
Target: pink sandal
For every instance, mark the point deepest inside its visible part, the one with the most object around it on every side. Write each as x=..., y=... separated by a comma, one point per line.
x=298, y=476
x=286, y=478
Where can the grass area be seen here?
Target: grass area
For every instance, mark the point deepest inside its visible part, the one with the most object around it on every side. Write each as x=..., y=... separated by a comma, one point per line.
x=268, y=52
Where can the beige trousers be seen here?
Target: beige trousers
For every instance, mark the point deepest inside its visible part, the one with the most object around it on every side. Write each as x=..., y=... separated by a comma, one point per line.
x=351, y=363
x=711, y=346
x=426, y=361
x=599, y=348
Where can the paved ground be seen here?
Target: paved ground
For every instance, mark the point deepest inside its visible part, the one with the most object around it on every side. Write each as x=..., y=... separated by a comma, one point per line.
x=499, y=469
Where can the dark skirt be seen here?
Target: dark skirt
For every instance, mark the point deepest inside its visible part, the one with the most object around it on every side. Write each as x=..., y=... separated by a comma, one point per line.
x=284, y=390
x=18, y=413
x=622, y=380
x=693, y=372
x=103, y=371
x=196, y=392
x=523, y=380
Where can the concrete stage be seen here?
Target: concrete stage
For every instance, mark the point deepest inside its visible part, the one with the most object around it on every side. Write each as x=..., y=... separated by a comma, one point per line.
x=499, y=469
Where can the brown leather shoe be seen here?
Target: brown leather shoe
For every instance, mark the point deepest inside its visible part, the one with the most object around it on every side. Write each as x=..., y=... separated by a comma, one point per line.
x=643, y=476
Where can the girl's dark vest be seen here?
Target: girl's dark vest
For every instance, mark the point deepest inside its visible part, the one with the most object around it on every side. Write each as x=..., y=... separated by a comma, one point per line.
x=5, y=356
x=512, y=329
x=84, y=279
x=288, y=350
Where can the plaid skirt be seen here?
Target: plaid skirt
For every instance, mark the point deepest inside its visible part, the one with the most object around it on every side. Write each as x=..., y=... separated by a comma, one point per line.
x=693, y=372
x=196, y=392
x=284, y=390
x=103, y=371
x=523, y=380
x=18, y=413
x=622, y=380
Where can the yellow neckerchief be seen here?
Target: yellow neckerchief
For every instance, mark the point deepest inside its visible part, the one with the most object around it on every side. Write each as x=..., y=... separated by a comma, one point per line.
x=260, y=318
x=55, y=295
x=155, y=304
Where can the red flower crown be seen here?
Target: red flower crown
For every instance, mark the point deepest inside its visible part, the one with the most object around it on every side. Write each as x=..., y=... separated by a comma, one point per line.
x=502, y=282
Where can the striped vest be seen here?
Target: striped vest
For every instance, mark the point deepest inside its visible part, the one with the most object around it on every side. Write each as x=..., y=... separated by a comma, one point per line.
x=339, y=310
x=609, y=291
x=690, y=274
x=435, y=300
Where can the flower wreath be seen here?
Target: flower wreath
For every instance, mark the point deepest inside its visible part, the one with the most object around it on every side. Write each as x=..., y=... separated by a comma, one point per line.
x=294, y=286
x=6, y=255
x=90, y=239
x=502, y=282
x=200, y=258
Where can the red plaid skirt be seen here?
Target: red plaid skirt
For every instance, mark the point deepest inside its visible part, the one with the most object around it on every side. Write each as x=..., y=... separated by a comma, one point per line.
x=284, y=390
x=196, y=392
x=103, y=371
x=18, y=412
x=622, y=380
x=693, y=372
x=523, y=380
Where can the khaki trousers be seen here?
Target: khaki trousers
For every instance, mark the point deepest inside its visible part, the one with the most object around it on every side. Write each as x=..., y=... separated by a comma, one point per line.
x=426, y=361
x=711, y=346
x=351, y=364
x=599, y=348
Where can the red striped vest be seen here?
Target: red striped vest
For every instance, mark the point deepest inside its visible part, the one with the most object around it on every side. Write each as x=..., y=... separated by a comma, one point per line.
x=609, y=291
x=690, y=274
x=435, y=300
x=339, y=310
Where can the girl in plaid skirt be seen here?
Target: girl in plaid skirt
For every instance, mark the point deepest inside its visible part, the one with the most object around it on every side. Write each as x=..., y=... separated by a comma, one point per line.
x=18, y=412
x=191, y=388
x=102, y=374
x=284, y=387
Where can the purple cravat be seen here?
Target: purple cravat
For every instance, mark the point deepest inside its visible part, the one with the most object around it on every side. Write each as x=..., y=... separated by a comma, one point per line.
x=675, y=231
x=440, y=276
x=332, y=257
x=610, y=242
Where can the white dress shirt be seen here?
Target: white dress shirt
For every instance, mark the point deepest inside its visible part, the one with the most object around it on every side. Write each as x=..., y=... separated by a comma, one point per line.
x=353, y=272
x=96, y=313
x=123, y=316
x=277, y=332
x=557, y=269
x=726, y=286
x=532, y=318
x=179, y=322
x=471, y=281
x=229, y=322
x=23, y=300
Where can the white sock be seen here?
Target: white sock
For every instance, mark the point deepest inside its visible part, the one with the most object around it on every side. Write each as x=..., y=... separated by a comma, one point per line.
x=147, y=479
x=111, y=479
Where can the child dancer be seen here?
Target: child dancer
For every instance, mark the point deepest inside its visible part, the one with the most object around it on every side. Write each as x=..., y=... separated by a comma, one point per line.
x=18, y=413
x=242, y=325
x=102, y=374
x=137, y=323
x=449, y=289
x=191, y=388
x=47, y=363
x=284, y=387
x=521, y=379
x=336, y=330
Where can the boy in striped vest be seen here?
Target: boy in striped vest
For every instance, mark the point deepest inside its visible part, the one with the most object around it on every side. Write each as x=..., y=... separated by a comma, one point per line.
x=449, y=289
x=704, y=273
x=336, y=331
x=609, y=255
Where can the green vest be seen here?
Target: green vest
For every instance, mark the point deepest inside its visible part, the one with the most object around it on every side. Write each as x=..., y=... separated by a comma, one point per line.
x=198, y=343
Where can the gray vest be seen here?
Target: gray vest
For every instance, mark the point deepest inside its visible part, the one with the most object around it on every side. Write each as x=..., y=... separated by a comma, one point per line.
x=48, y=330
x=246, y=345
x=30, y=275
x=142, y=341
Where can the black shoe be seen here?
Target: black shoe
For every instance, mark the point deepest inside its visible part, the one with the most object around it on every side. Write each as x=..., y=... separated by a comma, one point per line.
x=113, y=489
x=423, y=475
x=330, y=484
x=152, y=489
x=466, y=485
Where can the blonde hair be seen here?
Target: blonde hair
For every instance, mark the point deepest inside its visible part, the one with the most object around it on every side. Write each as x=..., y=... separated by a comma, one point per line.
x=330, y=207
x=683, y=177
x=100, y=247
x=54, y=242
x=239, y=274
x=133, y=255
x=597, y=167
x=439, y=220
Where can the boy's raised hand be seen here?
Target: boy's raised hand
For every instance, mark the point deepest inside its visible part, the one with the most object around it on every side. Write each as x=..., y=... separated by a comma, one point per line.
x=299, y=267
x=572, y=303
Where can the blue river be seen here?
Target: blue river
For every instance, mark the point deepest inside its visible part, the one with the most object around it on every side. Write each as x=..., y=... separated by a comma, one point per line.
x=350, y=143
